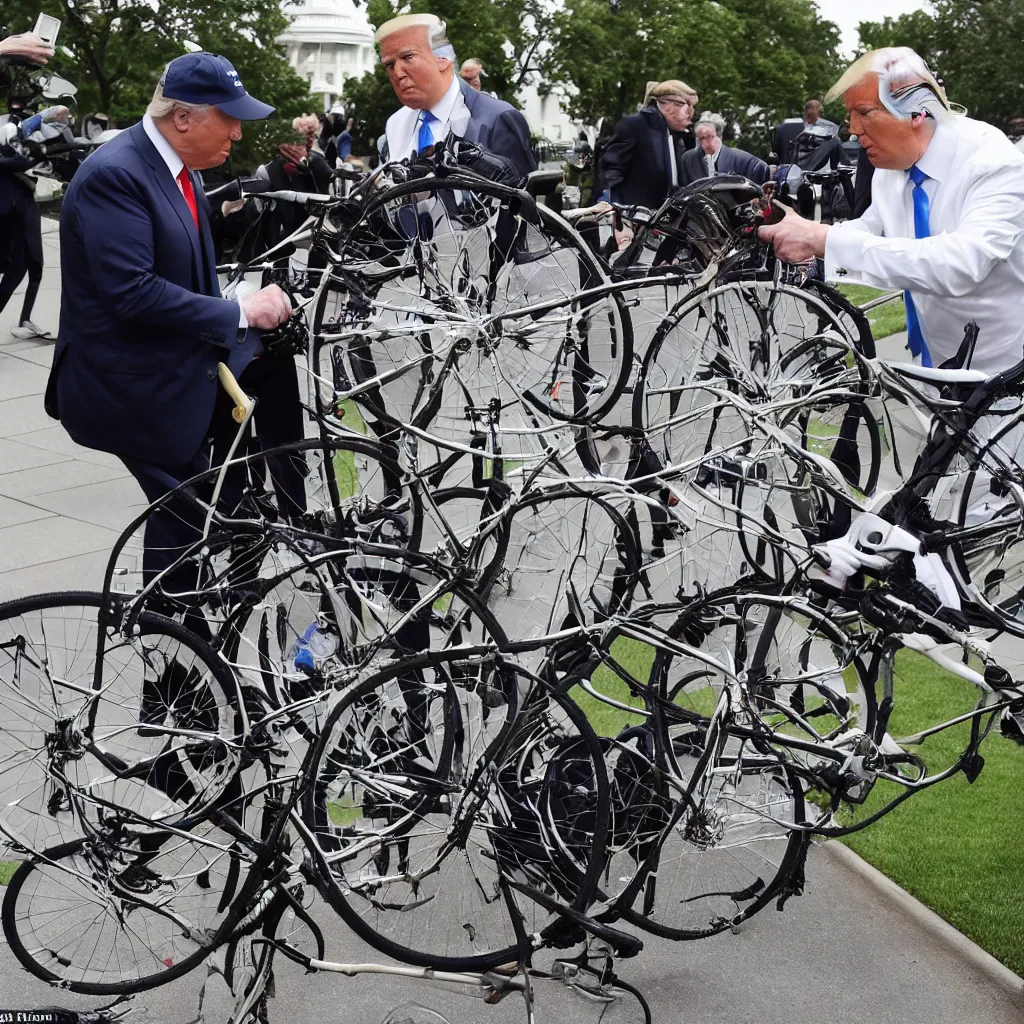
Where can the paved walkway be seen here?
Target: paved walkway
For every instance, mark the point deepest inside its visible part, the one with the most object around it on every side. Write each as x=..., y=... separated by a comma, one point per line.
x=840, y=953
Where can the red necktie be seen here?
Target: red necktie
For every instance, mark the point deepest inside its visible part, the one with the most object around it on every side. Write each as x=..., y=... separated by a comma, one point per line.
x=187, y=191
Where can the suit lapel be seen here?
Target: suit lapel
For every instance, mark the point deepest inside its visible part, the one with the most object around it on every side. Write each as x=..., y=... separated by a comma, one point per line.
x=173, y=195
x=209, y=253
x=476, y=130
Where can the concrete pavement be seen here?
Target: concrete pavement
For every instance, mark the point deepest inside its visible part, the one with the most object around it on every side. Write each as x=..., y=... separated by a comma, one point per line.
x=843, y=952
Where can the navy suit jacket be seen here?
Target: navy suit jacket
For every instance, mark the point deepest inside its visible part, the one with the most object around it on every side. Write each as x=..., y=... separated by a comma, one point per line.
x=498, y=127
x=636, y=165
x=142, y=324
x=730, y=161
x=494, y=124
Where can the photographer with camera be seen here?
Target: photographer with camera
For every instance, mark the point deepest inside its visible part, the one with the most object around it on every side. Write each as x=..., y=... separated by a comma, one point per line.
x=20, y=223
x=24, y=50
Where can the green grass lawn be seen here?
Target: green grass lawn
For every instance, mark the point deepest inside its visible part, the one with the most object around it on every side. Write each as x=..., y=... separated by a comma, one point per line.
x=345, y=468
x=885, y=320
x=7, y=868
x=957, y=846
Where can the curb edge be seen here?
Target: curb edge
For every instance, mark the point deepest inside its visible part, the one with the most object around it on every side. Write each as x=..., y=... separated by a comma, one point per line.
x=998, y=973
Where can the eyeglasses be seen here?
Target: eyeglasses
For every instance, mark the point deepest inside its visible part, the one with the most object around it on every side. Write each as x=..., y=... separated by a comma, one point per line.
x=667, y=101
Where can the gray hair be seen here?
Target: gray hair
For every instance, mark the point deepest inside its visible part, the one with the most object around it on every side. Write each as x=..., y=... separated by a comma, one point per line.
x=715, y=121
x=161, y=106
x=905, y=84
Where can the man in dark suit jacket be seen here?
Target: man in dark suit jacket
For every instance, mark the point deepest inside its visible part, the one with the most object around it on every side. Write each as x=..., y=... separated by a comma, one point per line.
x=711, y=157
x=643, y=160
x=142, y=323
x=420, y=62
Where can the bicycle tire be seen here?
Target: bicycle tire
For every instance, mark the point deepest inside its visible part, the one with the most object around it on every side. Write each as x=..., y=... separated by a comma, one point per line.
x=148, y=928
x=477, y=921
x=148, y=698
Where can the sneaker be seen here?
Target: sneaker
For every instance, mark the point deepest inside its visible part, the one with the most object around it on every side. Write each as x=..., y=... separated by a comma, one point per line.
x=28, y=331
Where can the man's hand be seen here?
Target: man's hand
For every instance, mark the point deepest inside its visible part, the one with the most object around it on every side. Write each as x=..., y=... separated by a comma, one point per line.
x=267, y=308
x=795, y=239
x=26, y=46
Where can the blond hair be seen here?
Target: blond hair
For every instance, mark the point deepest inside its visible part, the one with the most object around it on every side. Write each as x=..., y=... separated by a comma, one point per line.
x=906, y=86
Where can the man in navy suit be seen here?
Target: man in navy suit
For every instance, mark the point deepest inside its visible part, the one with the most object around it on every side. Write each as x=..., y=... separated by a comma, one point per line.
x=142, y=323
x=643, y=161
x=711, y=157
x=420, y=61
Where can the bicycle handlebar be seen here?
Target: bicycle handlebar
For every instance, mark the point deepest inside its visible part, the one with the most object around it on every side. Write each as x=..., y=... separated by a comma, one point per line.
x=238, y=189
x=290, y=196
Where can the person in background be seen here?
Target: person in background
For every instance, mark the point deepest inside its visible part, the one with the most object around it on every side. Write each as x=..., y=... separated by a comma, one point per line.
x=642, y=161
x=812, y=115
x=331, y=129
x=436, y=103
x=786, y=134
x=345, y=141
x=26, y=50
x=472, y=73
x=579, y=186
x=711, y=157
x=21, y=235
x=946, y=220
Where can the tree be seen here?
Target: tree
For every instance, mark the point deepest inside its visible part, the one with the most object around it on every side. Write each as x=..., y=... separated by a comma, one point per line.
x=114, y=51
x=754, y=61
x=369, y=101
x=974, y=46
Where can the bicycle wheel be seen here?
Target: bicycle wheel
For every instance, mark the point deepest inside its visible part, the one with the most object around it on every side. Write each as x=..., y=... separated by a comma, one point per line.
x=115, y=915
x=438, y=778
x=458, y=303
x=989, y=557
x=557, y=558
x=725, y=849
x=142, y=739
x=761, y=340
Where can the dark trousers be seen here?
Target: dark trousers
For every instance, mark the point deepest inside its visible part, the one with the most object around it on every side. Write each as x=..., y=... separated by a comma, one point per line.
x=178, y=523
x=21, y=239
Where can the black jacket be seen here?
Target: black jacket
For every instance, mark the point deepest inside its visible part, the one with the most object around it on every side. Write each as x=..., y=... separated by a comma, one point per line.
x=636, y=165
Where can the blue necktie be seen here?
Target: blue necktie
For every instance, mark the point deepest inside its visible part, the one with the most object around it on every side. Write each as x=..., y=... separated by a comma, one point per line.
x=426, y=135
x=915, y=335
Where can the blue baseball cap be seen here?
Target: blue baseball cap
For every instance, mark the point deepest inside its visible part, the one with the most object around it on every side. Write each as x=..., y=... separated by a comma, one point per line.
x=207, y=78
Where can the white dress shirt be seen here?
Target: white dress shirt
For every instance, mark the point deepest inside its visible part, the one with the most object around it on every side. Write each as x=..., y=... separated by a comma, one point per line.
x=711, y=161
x=972, y=266
x=403, y=127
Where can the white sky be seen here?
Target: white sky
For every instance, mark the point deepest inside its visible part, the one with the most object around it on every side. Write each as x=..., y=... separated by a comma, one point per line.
x=847, y=14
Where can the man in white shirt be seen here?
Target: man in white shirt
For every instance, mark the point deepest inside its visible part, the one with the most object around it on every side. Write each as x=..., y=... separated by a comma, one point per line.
x=420, y=61
x=946, y=221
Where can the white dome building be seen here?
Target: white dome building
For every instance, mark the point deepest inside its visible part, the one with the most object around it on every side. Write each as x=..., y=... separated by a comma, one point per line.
x=327, y=42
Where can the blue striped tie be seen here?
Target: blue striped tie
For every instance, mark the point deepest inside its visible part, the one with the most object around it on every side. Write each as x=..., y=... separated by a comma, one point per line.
x=915, y=335
x=426, y=137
